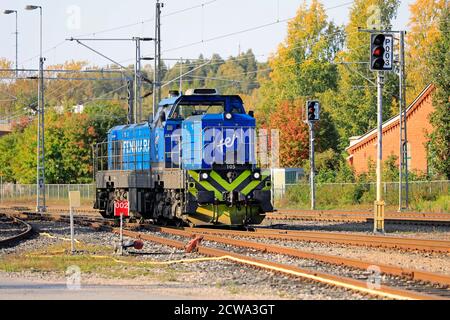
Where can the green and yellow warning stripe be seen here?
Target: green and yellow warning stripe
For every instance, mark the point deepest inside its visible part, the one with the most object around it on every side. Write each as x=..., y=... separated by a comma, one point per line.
x=243, y=183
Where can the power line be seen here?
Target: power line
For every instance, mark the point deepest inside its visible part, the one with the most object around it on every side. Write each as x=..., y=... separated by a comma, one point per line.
x=122, y=27
x=125, y=26
x=247, y=30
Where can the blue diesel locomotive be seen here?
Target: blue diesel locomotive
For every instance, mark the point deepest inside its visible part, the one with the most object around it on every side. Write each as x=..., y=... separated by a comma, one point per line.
x=193, y=163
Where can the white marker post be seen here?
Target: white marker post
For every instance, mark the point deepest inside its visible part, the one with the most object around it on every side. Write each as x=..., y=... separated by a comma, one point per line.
x=74, y=202
x=121, y=234
x=121, y=209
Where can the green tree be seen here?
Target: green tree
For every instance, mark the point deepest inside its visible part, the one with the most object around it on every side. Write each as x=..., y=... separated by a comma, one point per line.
x=353, y=105
x=423, y=34
x=390, y=169
x=8, y=145
x=104, y=115
x=438, y=145
x=226, y=75
x=302, y=66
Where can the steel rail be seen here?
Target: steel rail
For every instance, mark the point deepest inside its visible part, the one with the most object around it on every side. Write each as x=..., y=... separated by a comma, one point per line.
x=23, y=235
x=282, y=234
x=412, y=274
x=359, y=217
x=367, y=213
x=334, y=237
x=323, y=215
x=329, y=279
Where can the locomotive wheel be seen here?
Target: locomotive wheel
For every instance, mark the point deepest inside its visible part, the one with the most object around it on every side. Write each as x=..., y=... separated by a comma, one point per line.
x=104, y=214
x=161, y=221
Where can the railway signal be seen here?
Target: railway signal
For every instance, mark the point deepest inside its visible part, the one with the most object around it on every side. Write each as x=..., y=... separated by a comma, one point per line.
x=381, y=52
x=313, y=110
x=381, y=59
x=313, y=115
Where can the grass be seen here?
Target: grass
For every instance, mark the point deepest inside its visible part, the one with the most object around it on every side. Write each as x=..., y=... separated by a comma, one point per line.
x=90, y=259
x=441, y=204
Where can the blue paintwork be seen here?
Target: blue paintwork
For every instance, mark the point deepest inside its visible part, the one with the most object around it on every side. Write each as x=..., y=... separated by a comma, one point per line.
x=201, y=131
x=129, y=147
x=155, y=143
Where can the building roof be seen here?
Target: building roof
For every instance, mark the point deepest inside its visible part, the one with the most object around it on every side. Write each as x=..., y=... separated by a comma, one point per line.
x=392, y=121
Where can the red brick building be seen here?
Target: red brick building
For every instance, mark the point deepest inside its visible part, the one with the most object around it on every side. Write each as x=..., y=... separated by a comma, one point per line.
x=418, y=125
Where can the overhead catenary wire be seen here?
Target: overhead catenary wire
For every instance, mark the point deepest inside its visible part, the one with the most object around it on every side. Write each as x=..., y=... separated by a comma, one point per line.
x=94, y=33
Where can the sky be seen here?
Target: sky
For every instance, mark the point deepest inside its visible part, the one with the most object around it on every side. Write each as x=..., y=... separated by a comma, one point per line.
x=193, y=29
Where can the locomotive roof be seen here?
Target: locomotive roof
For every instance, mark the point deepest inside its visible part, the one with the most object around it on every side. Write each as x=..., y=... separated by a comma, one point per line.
x=194, y=98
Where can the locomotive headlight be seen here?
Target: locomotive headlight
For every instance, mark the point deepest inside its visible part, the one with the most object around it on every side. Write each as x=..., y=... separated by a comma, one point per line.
x=228, y=116
x=204, y=176
x=256, y=175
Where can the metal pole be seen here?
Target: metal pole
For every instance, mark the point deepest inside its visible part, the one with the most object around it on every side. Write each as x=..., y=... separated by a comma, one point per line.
x=40, y=32
x=159, y=5
x=130, y=115
x=41, y=117
x=403, y=163
x=1, y=189
x=136, y=83
x=72, y=232
x=379, y=204
x=121, y=234
x=403, y=101
x=380, y=134
x=41, y=143
x=157, y=60
x=181, y=75
x=312, y=165
x=138, y=95
x=17, y=49
x=400, y=115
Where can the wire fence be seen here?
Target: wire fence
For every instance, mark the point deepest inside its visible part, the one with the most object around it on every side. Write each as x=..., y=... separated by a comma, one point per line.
x=328, y=195
x=335, y=195
x=53, y=192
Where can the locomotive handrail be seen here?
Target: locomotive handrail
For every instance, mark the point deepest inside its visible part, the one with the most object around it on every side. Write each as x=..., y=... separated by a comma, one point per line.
x=121, y=158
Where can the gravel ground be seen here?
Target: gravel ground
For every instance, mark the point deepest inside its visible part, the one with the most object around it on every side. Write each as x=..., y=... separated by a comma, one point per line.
x=211, y=279
x=224, y=279
x=424, y=261
x=327, y=268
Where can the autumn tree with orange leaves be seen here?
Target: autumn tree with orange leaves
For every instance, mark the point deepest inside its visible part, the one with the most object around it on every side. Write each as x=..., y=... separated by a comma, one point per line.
x=289, y=119
x=294, y=144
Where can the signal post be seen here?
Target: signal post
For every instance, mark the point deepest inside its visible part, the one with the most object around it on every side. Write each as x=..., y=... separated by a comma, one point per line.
x=381, y=60
x=312, y=112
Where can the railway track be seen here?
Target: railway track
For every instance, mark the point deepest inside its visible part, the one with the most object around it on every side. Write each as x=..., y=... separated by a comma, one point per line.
x=335, y=238
x=13, y=230
x=347, y=282
x=433, y=219
x=440, y=219
x=395, y=271
x=413, y=284
x=274, y=233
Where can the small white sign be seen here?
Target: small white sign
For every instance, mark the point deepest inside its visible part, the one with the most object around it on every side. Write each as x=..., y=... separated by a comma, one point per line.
x=74, y=199
x=388, y=52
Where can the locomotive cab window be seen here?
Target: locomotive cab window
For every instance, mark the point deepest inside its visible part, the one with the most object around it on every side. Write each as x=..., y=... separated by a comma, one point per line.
x=183, y=111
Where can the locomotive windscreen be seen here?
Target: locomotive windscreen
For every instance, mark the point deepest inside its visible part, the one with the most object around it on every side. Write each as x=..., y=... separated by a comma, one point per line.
x=183, y=111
